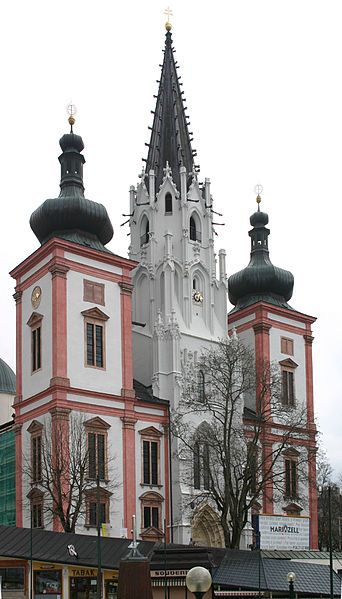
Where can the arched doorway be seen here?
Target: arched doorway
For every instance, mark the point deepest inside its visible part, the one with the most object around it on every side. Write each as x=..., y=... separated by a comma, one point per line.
x=206, y=528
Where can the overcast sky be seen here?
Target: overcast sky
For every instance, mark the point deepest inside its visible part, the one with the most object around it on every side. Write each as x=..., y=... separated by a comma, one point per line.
x=262, y=82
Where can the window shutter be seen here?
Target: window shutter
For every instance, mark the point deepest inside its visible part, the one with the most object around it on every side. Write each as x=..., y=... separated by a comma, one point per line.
x=100, y=456
x=99, y=345
x=155, y=517
x=287, y=478
x=197, y=478
x=154, y=462
x=146, y=462
x=92, y=455
x=93, y=513
x=285, y=387
x=90, y=344
x=291, y=388
x=147, y=517
x=206, y=477
x=38, y=348
x=294, y=478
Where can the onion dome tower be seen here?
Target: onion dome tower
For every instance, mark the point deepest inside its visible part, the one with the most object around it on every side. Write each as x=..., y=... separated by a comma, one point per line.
x=7, y=378
x=71, y=216
x=260, y=280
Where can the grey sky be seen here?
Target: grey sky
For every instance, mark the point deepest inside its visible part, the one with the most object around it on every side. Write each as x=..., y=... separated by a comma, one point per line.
x=263, y=87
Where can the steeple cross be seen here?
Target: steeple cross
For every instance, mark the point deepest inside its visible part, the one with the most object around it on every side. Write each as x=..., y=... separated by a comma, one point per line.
x=168, y=12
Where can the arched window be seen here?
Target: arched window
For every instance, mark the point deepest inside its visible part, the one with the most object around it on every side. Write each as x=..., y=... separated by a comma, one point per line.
x=201, y=466
x=145, y=228
x=195, y=229
x=168, y=203
x=201, y=386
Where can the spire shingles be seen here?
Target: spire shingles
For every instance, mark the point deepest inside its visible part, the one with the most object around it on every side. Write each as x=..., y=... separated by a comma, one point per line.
x=170, y=137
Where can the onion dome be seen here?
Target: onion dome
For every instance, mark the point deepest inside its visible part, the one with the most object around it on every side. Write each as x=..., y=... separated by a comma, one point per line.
x=71, y=216
x=7, y=378
x=260, y=280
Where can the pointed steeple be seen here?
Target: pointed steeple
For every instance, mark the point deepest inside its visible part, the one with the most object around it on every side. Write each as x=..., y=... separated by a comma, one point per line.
x=170, y=137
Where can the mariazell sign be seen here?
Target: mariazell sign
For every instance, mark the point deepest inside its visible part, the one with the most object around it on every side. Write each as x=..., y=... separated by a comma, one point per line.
x=284, y=532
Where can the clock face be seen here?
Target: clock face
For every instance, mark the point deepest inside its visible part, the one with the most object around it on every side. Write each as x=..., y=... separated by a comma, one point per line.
x=198, y=297
x=36, y=297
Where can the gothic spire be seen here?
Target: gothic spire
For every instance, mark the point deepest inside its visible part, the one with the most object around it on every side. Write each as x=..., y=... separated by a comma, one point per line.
x=170, y=137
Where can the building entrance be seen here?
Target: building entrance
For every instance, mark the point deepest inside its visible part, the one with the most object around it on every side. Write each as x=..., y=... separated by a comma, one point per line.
x=83, y=587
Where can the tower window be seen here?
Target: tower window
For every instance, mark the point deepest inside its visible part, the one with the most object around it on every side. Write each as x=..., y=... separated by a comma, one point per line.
x=201, y=466
x=36, y=348
x=291, y=478
x=195, y=233
x=286, y=345
x=93, y=292
x=168, y=203
x=94, y=345
x=150, y=462
x=94, y=337
x=35, y=322
x=288, y=395
x=96, y=453
x=145, y=229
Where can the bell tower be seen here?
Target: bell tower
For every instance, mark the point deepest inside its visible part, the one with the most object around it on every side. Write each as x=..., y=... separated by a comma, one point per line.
x=179, y=298
x=178, y=302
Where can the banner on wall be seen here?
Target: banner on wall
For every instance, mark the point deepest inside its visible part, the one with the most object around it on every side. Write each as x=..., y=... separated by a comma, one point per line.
x=283, y=532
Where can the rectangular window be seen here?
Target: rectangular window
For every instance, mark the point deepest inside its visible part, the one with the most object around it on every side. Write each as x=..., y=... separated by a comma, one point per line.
x=12, y=579
x=93, y=292
x=92, y=519
x=36, y=348
x=288, y=396
x=94, y=334
x=48, y=582
x=150, y=462
x=286, y=346
x=36, y=457
x=96, y=455
x=37, y=515
x=291, y=478
x=151, y=516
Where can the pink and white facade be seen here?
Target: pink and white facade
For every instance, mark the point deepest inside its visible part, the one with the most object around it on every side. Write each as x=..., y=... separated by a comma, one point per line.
x=61, y=289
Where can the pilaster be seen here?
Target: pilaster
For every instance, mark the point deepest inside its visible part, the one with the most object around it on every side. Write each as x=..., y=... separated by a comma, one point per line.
x=129, y=473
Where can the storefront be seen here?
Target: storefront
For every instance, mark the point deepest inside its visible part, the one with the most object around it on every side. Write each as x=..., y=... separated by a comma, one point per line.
x=47, y=581
x=83, y=583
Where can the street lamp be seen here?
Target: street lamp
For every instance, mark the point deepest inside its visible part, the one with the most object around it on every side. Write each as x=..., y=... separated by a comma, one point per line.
x=198, y=581
x=291, y=577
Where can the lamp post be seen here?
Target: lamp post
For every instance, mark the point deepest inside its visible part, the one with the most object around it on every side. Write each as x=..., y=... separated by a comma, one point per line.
x=291, y=577
x=198, y=581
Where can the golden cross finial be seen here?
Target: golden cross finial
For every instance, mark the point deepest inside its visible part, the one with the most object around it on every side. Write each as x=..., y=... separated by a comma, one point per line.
x=71, y=110
x=168, y=12
x=258, y=190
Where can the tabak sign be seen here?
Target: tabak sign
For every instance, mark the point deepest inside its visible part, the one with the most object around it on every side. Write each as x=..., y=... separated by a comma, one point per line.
x=284, y=532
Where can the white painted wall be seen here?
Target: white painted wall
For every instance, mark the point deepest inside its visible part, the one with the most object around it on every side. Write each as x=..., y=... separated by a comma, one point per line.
x=6, y=407
x=34, y=382
x=108, y=380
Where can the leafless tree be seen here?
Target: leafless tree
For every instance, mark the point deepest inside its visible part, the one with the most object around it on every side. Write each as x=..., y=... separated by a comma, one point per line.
x=328, y=502
x=233, y=430
x=60, y=472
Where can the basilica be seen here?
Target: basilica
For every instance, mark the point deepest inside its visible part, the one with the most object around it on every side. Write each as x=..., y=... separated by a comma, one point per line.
x=102, y=341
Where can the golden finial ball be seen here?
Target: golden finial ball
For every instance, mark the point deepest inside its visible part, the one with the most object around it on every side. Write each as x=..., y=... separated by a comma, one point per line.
x=71, y=120
x=168, y=26
x=258, y=199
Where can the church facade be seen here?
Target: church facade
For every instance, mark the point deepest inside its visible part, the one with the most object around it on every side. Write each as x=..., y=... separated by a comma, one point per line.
x=102, y=341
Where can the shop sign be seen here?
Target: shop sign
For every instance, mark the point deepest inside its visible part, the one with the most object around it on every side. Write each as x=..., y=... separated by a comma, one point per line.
x=83, y=572
x=169, y=573
x=284, y=532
